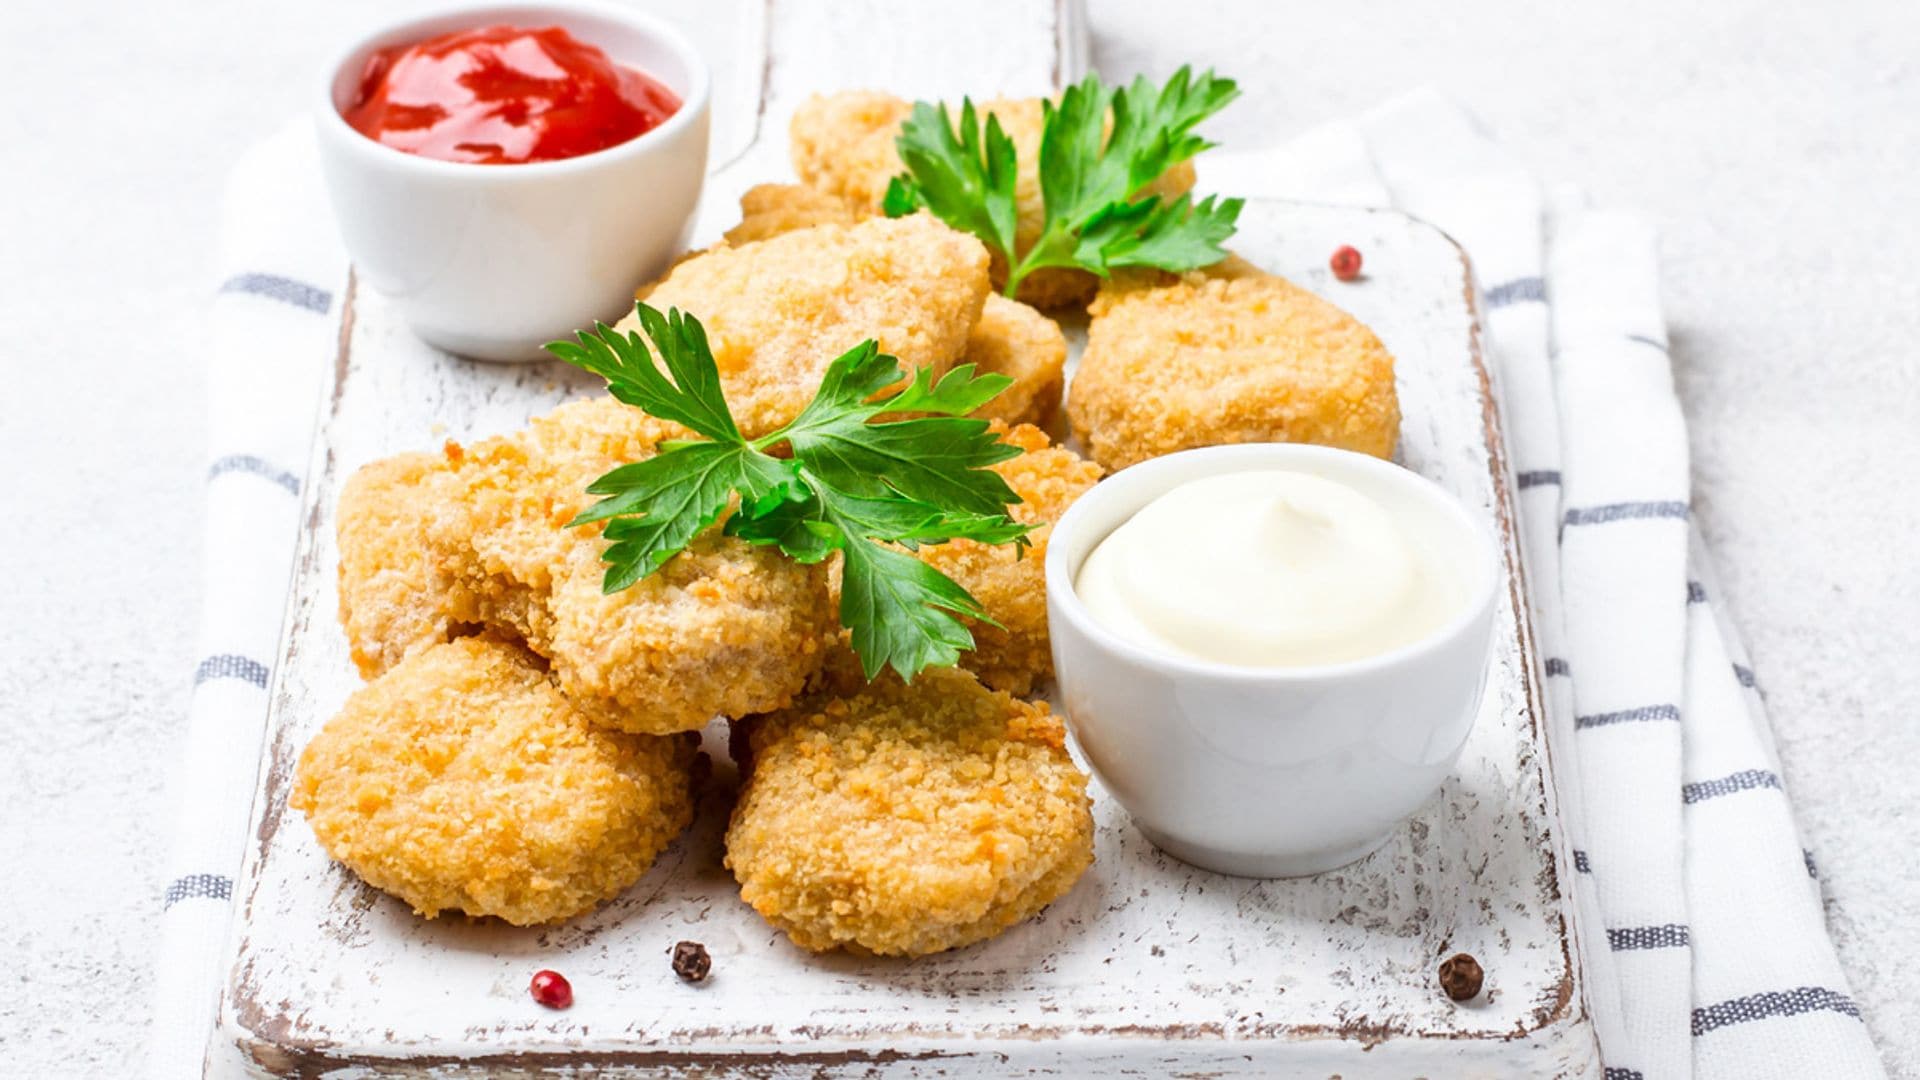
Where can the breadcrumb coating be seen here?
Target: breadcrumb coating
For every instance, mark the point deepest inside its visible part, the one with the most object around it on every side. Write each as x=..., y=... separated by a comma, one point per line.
x=778, y=311
x=391, y=604
x=462, y=780
x=904, y=820
x=1010, y=339
x=769, y=210
x=1014, y=340
x=723, y=629
x=1228, y=355
x=844, y=144
x=1009, y=584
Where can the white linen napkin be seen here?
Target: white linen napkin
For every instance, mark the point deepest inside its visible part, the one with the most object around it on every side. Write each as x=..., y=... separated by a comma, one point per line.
x=1709, y=954
x=1706, y=949
x=273, y=323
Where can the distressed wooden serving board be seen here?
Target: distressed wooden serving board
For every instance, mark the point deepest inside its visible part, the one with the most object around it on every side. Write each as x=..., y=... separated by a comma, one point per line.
x=1147, y=968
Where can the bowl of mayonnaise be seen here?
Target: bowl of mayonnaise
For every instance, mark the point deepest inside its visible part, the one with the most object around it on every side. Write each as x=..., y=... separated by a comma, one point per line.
x=1271, y=653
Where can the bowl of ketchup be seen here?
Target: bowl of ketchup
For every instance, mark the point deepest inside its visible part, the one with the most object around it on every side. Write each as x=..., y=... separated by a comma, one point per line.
x=507, y=175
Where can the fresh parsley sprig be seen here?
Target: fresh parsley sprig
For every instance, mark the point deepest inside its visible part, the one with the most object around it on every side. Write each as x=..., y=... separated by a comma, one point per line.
x=966, y=176
x=848, y=483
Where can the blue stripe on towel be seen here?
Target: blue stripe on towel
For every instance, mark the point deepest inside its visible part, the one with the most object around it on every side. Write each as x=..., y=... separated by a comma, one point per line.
x=1628, y=716
x=284, y=289
x=1669, y=936
x=1803, y=999
x=212, y=886
x=1747, y=780
x=229, y=666
x=1626, y=511
x=1517, y=291
x=261, y=467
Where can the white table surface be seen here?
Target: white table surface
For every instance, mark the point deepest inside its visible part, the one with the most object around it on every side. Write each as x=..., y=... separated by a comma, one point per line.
x=1778, y=149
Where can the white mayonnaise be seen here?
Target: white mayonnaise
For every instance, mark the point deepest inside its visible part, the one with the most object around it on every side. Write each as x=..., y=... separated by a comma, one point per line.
x=1267, y=568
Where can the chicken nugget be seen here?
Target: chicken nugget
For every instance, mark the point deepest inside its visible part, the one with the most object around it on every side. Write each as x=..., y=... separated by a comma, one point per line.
x=724, y=628
x=907, y=819
x=769, y=210
x=1014, y=340
x=1227, y=356
x=391, y=604
x=844, y=144
x=777, y=312
x=1010, y=339
x=1010, y=584
x=462, y=780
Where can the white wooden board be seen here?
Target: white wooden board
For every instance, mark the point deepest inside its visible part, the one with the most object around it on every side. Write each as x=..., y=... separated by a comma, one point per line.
x=1148, y=968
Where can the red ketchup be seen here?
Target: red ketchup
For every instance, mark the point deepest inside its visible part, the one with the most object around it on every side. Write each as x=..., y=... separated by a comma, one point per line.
x=504, y=95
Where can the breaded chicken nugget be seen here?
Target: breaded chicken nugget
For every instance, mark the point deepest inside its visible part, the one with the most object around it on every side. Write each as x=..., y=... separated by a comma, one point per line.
x=844, y=144
x=1014, y=340
x=905, y=820
x=463, y=780
x=769, y=210
x=1010, y=339
x=396, y=595
x=777, y=312
x=1227, y=356
x=1009, y=584
x=390, y=602
x=725, y=628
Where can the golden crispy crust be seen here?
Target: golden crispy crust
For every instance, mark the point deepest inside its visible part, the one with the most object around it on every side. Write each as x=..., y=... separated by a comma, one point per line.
x=769, y=210
x=462, y=780
x=844, y=144
x=1010, y=339
x=723, y=629
x=1012, y=586
x=1014, y=340
x=390, y=603
x=778, y=311
x=905, y=820
x=1227, y=356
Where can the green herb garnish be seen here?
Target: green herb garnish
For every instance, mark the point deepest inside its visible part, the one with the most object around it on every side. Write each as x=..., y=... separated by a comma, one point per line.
x=1088, y=177
x=849, y=484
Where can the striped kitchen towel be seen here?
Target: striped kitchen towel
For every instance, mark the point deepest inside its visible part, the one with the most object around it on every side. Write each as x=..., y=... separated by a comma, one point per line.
x=272, y=326
x=1706, y=949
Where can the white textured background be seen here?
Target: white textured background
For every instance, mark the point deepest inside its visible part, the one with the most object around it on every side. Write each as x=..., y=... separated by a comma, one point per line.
x=1778, y=148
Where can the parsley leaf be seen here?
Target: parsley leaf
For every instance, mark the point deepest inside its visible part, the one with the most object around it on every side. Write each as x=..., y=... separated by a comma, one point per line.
x=901, y=611
x=968, y=181
x=1089, y=176
x=693, y=396
x=867, y=473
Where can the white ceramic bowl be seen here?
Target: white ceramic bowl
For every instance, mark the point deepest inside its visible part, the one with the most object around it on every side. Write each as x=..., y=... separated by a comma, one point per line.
x=492, y=261
x=1272, y=772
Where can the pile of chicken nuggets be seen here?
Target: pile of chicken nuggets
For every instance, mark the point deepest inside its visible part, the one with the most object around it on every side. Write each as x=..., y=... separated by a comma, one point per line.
x=525, y=744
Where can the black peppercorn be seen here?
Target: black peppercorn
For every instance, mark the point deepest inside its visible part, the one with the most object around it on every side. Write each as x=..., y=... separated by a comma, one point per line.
x=1461, y=977
x=691, y=962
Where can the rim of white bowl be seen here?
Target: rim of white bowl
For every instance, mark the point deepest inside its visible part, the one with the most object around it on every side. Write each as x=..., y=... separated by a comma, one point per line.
x=428, y=22
x=1238, y=457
